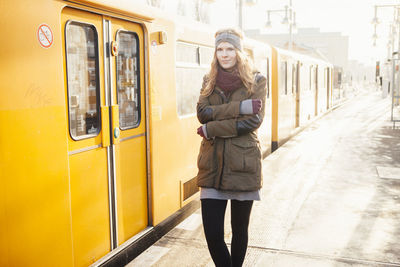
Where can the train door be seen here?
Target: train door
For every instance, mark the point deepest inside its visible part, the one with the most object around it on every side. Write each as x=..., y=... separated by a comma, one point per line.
x=297, y=92
x=106, y=123
x=328, y=87
x=315, y=86
x=128, y=96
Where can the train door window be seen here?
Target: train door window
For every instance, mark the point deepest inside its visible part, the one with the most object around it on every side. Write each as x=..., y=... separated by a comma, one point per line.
x=294, y=78
x=267, y=77
x=289, y=78
x=326, y=79
x=311, y=82
x=128, y=89
x=286, y=74
x=82, y=80
x=283, y=78
x=304, y=77
x=321, y=77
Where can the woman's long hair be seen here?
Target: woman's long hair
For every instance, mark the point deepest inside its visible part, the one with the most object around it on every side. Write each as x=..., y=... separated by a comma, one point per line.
x=243, y=66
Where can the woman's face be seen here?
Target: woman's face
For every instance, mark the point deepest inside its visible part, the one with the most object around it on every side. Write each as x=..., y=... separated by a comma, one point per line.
x=226, y=55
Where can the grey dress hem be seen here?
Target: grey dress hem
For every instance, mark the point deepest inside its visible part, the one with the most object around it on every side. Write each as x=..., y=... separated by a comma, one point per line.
x=212, y=193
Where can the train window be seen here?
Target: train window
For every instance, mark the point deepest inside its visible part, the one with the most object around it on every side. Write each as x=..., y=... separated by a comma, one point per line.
x=283, y=78
x=315, y=78
x=188, y=84
x=187, y=53
x=267, y=77
x=189, y=75
x=311, y=83
x=326, y=79
x=289, y=78
x=262, y=65
x=294, y=78
x=206, y=55
x=127, y=64
x=321, y=78
x=82, y=79
x=303, y=76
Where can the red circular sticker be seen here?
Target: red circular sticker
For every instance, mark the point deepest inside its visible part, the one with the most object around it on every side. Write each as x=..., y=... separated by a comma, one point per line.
x=45, y=35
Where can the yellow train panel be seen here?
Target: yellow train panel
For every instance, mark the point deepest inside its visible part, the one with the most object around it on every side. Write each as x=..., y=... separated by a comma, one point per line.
x=35, y=199
x=89, y=206
x=34, y=169
x=131, y=188
x=275, y=98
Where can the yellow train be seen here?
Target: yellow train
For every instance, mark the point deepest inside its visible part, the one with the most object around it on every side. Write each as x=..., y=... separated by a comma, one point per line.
x=97, y=125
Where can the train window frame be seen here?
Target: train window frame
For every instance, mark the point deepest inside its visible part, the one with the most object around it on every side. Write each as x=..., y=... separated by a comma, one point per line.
x=97, y=79
x=185, y=66
x=138, y=80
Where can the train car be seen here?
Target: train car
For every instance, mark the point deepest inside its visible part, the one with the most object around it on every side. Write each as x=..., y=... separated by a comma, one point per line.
x=98, y=126
x=261, y=55
x=98, y=155
x=301, y=91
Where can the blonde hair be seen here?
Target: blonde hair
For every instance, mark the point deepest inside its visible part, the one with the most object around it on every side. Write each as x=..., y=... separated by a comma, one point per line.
x=243, y=66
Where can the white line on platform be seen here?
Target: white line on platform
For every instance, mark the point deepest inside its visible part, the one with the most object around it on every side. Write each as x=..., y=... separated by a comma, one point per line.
x=149, y=257
x=190, y=223
x=388, y=172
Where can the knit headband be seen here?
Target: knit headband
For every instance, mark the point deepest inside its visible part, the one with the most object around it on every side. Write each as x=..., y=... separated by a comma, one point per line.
x=230, y=38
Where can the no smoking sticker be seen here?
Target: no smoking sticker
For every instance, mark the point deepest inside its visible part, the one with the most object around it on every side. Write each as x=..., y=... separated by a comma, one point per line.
x=45, y=36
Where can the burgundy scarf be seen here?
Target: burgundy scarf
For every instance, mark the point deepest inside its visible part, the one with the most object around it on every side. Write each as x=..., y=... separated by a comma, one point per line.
x=228, y=81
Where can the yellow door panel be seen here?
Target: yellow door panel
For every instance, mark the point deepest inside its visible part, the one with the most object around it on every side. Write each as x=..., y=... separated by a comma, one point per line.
x=88, y=135
x=130, y=158
x=131, y=188
x=89, y=204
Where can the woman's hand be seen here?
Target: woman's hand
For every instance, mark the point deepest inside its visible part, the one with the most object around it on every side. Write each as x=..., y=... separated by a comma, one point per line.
x=202, y=131
x=250, y=106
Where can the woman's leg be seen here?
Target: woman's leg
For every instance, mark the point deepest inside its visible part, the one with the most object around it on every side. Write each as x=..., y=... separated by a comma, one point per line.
x=213, y=213
x=240, y=216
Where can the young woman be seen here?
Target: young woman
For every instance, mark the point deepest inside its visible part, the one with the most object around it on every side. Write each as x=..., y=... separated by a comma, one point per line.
x=230, y=110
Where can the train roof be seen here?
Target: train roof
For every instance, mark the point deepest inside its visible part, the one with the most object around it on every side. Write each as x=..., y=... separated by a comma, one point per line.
x=124, y=7
x=300, y=56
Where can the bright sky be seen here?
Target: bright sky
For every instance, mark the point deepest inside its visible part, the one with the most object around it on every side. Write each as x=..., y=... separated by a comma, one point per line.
x=350, y=17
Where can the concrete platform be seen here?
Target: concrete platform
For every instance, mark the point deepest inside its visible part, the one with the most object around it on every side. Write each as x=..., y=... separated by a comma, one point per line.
x=331, y=197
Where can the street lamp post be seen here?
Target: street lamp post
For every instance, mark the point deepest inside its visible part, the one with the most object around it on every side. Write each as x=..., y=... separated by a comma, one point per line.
x=289, y=19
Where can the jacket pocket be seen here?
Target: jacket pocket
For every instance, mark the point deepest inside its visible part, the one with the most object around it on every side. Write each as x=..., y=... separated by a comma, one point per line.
x=245, y=156
x=205, y=158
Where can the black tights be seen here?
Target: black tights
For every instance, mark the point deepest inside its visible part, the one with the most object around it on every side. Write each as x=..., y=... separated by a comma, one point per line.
x=213, y=213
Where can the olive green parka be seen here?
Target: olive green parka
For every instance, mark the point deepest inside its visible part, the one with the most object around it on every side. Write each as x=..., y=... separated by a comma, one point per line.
x=230, y=159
